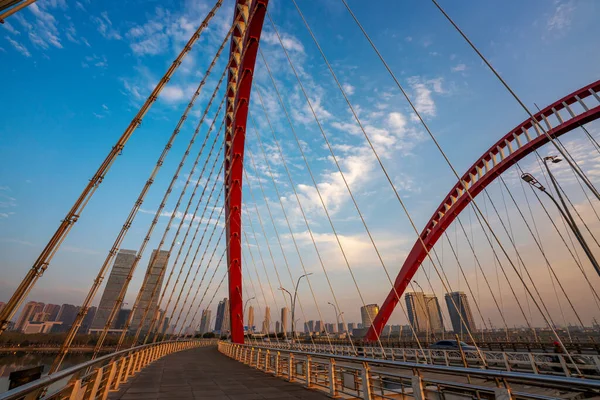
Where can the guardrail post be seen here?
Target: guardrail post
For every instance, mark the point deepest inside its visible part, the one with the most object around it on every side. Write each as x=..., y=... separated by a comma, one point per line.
x=257, y=365
x=277, y=359
x=417, y=386
x=96, y=383
x=502, y=394
x=267, y=359
x=290, y=367
x=308, y=363
x=332, y=381
x=111, y=377
x=366, y=381
x=76, y=391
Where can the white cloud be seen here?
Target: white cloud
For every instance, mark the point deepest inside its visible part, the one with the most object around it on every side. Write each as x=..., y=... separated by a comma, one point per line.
x=397, y=121
x=79, y=6
x=104, y=26
x=96, y=61
x=560, y=20
x=105, y=107
x=18, y=46
x=10, y=28
x=99, y=116
x=423, y=90
x=45, y=32
x=459, y=68
x=290, y=42
x=148, y=39
x=348, y=88
x=172, y=93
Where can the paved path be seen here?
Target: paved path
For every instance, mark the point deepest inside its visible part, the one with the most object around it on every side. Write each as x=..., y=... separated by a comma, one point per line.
x=204, y=373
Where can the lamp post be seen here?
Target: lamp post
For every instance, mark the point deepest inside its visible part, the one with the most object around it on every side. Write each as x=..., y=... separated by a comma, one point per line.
x=337, y=315
x=293, y=302
x=530, y=179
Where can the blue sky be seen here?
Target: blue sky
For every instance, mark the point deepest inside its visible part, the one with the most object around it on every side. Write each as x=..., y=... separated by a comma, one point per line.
x=76, y=73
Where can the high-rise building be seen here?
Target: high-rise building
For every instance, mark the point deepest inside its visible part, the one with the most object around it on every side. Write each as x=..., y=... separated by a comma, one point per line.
x=222, y=321
x=311, y=326
x=67, y=315
x=122, y=318
x=340, y=327
x=266, y=326
x=250, y=319
x=319, y=326
x=277, y=327
x=368, y=314
x=52, y=310
x=116, y=281
x=87, y=320
x=458, y=305
x=351, y=326
x=424, y=312
x=330, y=328
x=284, y=319
x=153, y=279
x=205, y=321
x=30, y=309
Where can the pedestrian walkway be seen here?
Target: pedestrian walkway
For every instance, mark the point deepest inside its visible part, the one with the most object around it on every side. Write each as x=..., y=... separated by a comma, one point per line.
x=204, y=373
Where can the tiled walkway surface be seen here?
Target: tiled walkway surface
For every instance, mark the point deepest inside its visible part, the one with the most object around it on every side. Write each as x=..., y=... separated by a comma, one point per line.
x=204, y=373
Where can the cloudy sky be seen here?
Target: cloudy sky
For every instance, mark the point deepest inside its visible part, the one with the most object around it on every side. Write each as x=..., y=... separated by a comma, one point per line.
x=77, y=72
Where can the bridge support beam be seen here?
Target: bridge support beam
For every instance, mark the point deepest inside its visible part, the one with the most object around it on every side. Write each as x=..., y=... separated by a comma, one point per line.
x=244, y=47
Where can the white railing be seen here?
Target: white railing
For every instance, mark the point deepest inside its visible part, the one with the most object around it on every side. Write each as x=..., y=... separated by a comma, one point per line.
x=536, y=363
x=96, y=378
x=350, y=376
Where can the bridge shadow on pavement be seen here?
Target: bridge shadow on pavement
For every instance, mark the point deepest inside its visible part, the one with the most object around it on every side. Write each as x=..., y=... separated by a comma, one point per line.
x=204, y=373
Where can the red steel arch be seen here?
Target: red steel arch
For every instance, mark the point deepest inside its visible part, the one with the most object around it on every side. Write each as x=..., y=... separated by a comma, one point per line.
x=512, y=147
x=244, y=47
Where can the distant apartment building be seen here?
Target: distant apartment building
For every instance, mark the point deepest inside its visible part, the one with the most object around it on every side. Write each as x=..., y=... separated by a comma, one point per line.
x=205, y=321
x=116, y=281
x=67, y=315
x=310, y=326
x=266, y=325
x=368, y=314
x=424, y=312
x=250, y=322
x=222, y=320
x=86, y=324
x=153, y=279
x=351, y=326
x=458, y=306
x=28, y=313
x=284, y=320
x=52, y=310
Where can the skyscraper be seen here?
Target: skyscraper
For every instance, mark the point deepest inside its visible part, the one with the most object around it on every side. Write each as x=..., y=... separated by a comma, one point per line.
x=319, y=326
x=277, y=327
x=266, y=327
x=250, y=319
x=222, y=321
x=424, y=312
x=311, y=326
x=205, y=321
x=116, y=281
x=457, y=308
x=368, y=314
x=30, y=309
x=284, y=319
x=152, y=279
x=87, y=320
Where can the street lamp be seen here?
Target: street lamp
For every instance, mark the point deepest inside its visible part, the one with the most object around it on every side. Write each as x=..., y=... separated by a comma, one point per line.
x=293, y=302
x=245, y=304
x=530, y=179
x=337, y=315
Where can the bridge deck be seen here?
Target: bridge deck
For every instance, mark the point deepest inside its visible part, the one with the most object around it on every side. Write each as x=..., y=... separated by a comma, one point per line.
x=204, y=373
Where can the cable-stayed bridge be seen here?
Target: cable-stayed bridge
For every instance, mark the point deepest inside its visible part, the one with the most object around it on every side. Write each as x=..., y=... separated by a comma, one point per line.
x=496, y=298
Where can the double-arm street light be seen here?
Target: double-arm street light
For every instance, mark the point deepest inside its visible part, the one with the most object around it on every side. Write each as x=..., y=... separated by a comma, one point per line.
x=293, y=302
x=337, y=315
x=564, y=210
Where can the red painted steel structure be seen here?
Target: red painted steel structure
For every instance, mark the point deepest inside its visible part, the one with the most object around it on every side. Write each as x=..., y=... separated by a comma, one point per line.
x=244, y=47
x=512, y=147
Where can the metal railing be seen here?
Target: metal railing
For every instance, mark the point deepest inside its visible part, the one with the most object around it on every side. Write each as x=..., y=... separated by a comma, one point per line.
x=96, y=378
x=352, y=376
x=536, y=363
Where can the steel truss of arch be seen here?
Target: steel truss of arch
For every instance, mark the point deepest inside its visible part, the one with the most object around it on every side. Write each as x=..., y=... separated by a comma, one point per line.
x=244, y=47
x=512, y=147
